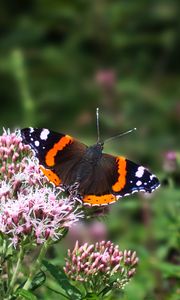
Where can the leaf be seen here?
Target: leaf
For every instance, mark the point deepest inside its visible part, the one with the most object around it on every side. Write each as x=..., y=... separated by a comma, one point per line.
x=91, y=296
x=26, y=294
x=62, y=280
x=106, y=290
x=38, y=280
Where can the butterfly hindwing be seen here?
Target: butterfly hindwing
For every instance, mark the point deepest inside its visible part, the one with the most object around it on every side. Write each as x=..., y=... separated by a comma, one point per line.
x=122, y=177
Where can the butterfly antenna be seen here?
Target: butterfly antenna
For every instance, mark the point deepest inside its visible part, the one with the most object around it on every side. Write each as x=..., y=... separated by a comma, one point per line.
x=121, y=134
x=97, y=125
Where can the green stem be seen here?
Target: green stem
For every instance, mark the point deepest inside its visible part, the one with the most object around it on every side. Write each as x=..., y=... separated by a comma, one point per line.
x=91, y=296
x=15, y=274
x=36, y=265
x=9, y=271
x=2, y=263
x=4, y=249
x=85, y=285
x=19, y=70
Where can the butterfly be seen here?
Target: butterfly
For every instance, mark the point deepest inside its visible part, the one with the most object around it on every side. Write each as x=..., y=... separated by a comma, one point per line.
x=101, y=178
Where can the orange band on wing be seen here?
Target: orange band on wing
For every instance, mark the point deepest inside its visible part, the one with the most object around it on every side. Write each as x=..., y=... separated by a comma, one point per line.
x=120, y=183
x=51, y=176
x=60, y=145
x=99, y=200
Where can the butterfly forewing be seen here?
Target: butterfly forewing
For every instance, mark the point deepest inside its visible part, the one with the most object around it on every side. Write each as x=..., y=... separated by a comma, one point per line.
x=57, y=152
x=137, y=178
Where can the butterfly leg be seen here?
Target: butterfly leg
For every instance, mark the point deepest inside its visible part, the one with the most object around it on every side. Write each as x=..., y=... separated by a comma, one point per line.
x=73, y=190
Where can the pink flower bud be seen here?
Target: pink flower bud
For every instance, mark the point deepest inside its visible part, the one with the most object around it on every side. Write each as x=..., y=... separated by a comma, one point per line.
x=101, y=260
x=131, y=272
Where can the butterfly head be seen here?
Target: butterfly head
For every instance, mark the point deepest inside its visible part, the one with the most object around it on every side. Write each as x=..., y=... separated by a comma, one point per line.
x=99, y=146
x=94, y=152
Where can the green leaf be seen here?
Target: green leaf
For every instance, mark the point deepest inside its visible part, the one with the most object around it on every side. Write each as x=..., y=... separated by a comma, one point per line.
x=26, y=294
x=38, y=280
x=62, y=280
x=91, y=296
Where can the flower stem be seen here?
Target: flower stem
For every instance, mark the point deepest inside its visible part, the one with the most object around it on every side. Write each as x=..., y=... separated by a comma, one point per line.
x=36, y=265
x=14, y=277
x=19, y=69
x=4, y=248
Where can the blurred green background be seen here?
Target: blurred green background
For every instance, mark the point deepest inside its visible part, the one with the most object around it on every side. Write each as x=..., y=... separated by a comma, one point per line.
x=59, y=60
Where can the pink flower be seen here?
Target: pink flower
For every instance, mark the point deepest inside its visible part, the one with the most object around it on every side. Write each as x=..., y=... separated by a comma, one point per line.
x=31, y=209
x=106, y=78
x=11, y=151
x=101, y=264
x=37, y=216
x=19, y=169
x=170, y=163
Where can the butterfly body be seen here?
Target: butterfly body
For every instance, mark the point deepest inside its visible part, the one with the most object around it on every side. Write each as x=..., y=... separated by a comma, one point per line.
x=102, y=178
x=93, y=154
x=88, y=163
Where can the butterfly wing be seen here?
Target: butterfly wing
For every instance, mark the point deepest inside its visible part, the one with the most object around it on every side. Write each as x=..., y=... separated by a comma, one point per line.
x=118, y=177
x=58, y=154
x=60, y=157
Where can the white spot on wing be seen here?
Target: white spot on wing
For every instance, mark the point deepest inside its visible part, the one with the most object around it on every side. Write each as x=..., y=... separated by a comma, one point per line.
x=140, y=172
x=139, y=182
x=31, y=129
x=44, y=134
x=118, y=197
x=36, y=143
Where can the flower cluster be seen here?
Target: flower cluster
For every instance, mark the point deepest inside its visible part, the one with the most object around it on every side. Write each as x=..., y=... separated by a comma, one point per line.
x=19, y=169
x=37, y=216
x=100, y=265
x=11, y=150
x=30, y=209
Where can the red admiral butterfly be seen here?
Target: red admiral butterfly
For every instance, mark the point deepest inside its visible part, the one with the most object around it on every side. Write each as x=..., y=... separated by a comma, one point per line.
x=101, y=178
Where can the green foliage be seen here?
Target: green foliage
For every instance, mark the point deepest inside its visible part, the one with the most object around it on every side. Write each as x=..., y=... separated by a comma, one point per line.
x=59, y=275
x=26, y=294
x=38, y=280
